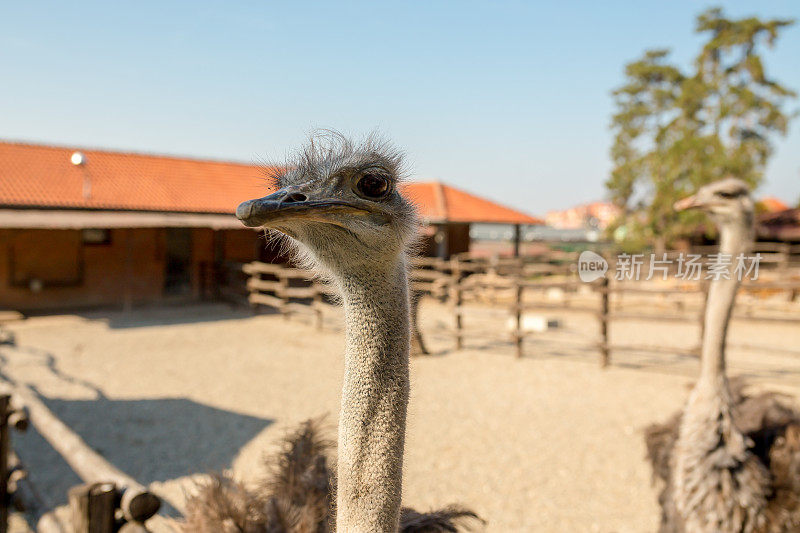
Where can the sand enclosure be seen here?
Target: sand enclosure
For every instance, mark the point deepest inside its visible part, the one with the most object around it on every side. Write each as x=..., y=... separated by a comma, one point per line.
x=546, y=443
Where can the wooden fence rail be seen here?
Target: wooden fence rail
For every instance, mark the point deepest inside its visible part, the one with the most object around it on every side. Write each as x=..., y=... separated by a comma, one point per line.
x=507, y=282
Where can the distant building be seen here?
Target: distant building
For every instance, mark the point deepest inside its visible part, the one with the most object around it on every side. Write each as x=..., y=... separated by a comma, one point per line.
x=449, y=213
x=780, y=226
x=85, y=228
x=771, y=204
x=596, y=215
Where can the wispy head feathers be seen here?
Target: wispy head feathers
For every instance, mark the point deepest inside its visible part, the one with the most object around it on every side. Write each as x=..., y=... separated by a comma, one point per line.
x=328, y=151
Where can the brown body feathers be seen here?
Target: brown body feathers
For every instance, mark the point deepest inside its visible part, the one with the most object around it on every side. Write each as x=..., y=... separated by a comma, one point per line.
x=772, y=427
x=295, y=496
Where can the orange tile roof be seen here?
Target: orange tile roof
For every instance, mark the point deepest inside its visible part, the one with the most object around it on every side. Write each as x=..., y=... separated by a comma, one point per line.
x=37, y=175
x=438, y=202
x=34, y=175
x=772, y=204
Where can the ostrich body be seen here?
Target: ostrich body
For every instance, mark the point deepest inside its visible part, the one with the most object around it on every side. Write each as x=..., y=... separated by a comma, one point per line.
x=339, y=205
x=716, y=480
x=293, y=495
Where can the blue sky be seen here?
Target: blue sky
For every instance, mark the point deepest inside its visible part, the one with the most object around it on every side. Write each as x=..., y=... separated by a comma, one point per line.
x=510, y=100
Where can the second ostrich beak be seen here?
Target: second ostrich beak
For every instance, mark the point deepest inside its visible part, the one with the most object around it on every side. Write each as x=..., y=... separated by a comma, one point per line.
x=690, y=202
x=289, y=204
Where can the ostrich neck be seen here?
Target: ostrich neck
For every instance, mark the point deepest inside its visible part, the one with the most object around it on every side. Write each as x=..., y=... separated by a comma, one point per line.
x=374, y=399
x=734, y=239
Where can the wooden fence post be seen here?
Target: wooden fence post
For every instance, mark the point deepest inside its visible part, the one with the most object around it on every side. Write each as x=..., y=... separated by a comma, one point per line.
x=93, y=506
x=456, y=299
x=491, y=272
x=283, y=280
x=786, y=256
x=5, y=408
x=254, y=278
x=605, y=348
x=518, y=336
x=317, y=304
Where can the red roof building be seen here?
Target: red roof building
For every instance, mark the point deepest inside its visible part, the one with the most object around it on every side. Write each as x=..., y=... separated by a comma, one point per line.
x=95, y=227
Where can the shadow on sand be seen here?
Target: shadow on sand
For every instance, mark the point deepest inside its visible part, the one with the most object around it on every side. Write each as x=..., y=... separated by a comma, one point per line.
x=167, y=315
x=150, y=440
x=159, y=439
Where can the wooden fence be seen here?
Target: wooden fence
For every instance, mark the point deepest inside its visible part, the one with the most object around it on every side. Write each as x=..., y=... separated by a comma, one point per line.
x=505, y=287
x=108, y=501
x=286, y=289
x=12, y=472
x=480, y=280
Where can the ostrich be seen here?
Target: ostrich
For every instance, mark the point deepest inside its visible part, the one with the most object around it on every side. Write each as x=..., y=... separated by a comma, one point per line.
x=730, y=463
x=338, y=204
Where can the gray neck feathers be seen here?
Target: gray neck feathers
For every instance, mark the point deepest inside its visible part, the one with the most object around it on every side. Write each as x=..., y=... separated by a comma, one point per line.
x=374, y=398
x=735, y=236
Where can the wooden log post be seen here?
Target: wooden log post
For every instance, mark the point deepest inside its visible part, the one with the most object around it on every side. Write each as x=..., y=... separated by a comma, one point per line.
x=283, y=280
x=456, y=299
x=517, y=309
x=19, y=489
x=605, y=317
x=5, y=450
x=93, y=506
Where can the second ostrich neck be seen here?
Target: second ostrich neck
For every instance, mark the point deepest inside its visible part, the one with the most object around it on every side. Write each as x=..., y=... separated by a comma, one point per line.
x=374, y=398
x=717, y=483
x=734, y=239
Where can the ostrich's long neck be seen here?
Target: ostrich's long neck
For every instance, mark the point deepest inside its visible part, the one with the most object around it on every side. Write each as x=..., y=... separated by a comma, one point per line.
x=374, y=400
x=735, y=238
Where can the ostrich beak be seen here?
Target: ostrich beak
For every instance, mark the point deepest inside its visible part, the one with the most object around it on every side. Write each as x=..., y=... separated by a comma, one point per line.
x=289, y=204
x=690, y=202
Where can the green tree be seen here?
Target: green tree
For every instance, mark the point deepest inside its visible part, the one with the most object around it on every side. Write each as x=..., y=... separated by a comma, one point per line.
x=676, y=130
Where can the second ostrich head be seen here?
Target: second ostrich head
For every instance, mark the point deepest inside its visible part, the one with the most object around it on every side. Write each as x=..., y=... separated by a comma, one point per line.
x=726, y=201
x=339, y=203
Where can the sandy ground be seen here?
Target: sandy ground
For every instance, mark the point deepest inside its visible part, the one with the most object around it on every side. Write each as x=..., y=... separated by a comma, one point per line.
x=549, y=442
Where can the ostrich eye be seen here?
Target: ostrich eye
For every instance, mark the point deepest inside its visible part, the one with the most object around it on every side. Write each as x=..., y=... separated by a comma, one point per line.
x=372, y=186
x=724, y=194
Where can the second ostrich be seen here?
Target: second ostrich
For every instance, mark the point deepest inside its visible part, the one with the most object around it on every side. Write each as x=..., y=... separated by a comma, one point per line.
x=339, y=205
x=730, y=463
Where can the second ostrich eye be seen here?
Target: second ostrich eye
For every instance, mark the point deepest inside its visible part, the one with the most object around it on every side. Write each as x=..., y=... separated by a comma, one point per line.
x=372, y=186
x=728, y=195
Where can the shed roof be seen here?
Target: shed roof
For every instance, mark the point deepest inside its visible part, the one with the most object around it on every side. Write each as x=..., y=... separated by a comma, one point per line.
x=43, y=176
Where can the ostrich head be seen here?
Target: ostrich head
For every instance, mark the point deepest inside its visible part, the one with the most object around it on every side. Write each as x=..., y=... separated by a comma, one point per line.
x=339, y=205
x=727, y=201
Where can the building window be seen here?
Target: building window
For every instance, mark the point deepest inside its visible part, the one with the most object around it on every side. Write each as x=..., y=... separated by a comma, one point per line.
x=96, y=236
x=45, y=258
